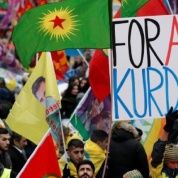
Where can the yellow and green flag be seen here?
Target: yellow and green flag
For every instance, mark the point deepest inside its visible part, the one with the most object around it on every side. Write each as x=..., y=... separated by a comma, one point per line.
x=37, y=105
x=66, y=24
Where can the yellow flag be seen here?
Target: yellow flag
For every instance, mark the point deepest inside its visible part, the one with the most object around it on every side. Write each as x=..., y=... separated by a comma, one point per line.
x=39, y=99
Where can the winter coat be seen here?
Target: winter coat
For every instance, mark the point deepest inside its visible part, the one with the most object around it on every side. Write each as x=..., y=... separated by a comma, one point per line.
x=157, y=167
x=126, y=154
x=17, y=158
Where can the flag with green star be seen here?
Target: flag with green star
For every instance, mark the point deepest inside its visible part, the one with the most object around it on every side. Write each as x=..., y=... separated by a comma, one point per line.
x=62, y=25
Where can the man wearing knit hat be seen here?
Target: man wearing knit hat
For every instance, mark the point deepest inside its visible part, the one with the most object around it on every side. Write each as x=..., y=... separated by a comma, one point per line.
x=164, y=163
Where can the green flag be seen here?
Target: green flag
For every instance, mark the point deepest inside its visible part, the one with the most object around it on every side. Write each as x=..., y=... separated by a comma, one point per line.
x=129, y=8
x=66, y=24
x=91, y=114
x=3, y=4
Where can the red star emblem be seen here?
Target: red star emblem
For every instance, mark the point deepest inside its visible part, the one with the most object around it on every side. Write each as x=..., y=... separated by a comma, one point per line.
x=57, y=22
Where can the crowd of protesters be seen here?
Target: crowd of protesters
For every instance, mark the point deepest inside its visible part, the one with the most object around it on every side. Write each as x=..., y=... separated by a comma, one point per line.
x=125, y=157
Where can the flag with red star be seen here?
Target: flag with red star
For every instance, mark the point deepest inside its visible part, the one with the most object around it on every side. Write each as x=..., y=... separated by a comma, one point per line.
x=62, y=25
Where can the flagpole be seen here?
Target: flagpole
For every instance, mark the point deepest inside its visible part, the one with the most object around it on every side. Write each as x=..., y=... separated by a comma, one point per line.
x=110, y=125
x=63, y=138
x=78, y=50
x=169, y=6
x=31, y=156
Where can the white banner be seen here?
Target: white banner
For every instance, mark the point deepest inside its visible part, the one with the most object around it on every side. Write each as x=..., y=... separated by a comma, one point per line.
x=145, y=66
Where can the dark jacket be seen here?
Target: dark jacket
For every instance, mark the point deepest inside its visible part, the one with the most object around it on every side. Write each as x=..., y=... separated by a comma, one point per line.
x=68, y=103
x=17, y=158
x=5, y=160
x=126, y=154
x=158, y=168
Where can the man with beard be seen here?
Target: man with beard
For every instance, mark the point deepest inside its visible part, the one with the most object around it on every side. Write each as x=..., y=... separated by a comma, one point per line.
x=86, y=169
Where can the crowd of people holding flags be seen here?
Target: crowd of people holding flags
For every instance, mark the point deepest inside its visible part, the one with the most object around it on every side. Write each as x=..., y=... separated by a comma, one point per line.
x=88, y=144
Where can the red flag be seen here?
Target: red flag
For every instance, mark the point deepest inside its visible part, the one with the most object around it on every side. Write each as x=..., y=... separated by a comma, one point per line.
x=117, y=13
x=99, y=75
x=60, y=64
x=43, y=162
x=146, y=8
x=153, y=7
x=41, y=2
x=24, y=7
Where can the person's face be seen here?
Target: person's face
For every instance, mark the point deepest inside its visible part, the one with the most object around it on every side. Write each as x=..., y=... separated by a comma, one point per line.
x=85, y=171
x=103, y=144
x=40, y=94
x=76, y=82
x=74, y=90
x=4, y=142
x=83, y=83
x=21, y=144
x=172, y=164
x=76, y=154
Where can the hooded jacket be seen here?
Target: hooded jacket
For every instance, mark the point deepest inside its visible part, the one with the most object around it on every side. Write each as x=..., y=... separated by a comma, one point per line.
x=125, y=154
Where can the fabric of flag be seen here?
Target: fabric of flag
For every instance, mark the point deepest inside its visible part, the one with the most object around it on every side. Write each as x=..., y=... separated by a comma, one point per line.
x=38, y=103
x=152, y=129
x=73, y=52
x=41, y=2
x=133, y=8
x=168, y=5
x=24, y=6
x=43, y=162
x=3, y=4
x=116, y=6
x=99, y=75
x=153, y=7
x=130, y=7
x=92, y=114
x=10, y=14
x=62, y=25
x=60, y=64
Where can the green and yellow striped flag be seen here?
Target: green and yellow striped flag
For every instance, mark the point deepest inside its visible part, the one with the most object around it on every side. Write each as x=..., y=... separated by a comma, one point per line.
x=66, y=24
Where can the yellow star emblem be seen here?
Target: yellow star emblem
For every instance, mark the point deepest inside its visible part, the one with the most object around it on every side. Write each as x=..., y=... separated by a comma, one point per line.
x=59, y=24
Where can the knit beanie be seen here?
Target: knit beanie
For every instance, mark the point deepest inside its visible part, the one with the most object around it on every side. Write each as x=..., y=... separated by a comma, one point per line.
x=133, y=174
x=171, y=153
